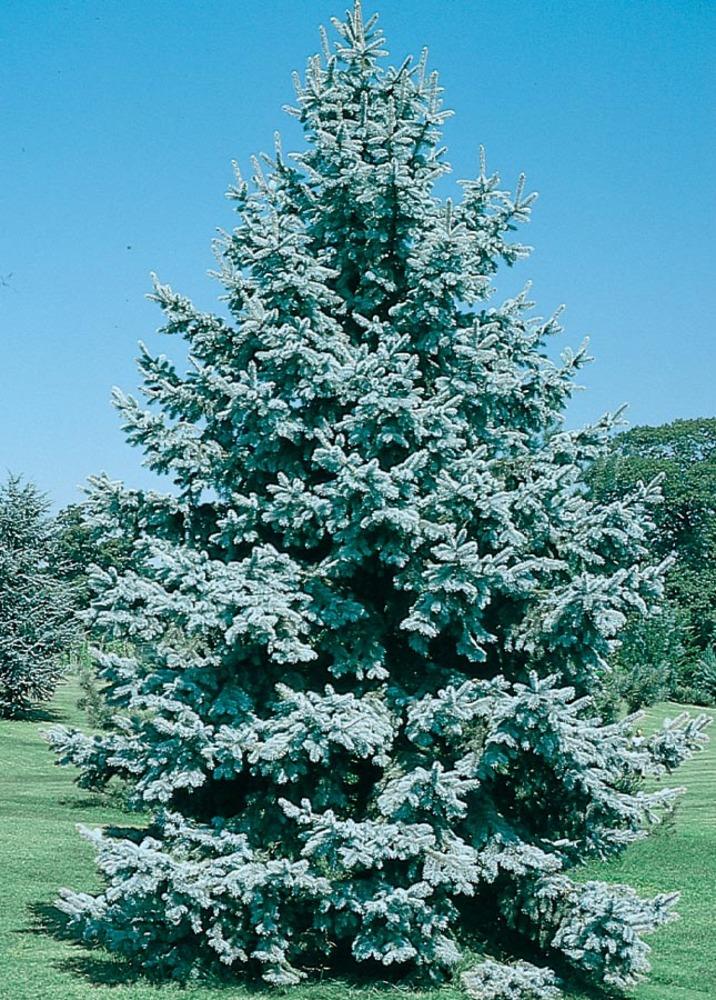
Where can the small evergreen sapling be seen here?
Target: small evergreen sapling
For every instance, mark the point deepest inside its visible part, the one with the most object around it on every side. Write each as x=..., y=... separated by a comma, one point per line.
x=369, y=620
x=521, y=981
x=37, y=622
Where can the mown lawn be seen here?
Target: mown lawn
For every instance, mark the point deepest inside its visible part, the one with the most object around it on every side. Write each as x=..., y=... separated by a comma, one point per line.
x=40, y=851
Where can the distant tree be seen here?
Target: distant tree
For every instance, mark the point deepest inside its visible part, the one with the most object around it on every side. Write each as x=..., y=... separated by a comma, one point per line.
x=369, y=620
x=684, y=454
x=650, y=659
x=82, y=548
x=85, y=551
x=37, y=613
x=669, y=653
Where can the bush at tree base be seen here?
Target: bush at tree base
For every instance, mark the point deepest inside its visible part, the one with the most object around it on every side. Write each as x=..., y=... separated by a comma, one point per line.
x=370, y=618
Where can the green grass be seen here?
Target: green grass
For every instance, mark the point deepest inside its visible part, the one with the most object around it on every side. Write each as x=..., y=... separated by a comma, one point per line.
x=41, y=851
x=680, y=856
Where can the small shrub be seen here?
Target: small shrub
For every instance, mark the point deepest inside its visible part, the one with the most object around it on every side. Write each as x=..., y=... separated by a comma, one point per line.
x=495, y=981
x=92, y=701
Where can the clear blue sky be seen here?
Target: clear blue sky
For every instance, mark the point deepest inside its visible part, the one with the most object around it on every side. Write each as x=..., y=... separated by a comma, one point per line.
x=119, y=119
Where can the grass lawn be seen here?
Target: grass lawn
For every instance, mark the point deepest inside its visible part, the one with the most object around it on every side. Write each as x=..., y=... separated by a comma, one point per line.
x=40, y=851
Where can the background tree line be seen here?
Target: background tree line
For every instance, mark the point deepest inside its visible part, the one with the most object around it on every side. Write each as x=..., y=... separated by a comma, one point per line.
x=671, y=654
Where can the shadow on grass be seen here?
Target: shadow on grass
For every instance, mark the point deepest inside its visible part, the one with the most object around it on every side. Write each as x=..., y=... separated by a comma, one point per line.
x=99, y=968
x=113, y=797
x=90, y=801
x=37, y=713
x=578, y=988
x=106, y=971
x=95, y=800
x=47, y=919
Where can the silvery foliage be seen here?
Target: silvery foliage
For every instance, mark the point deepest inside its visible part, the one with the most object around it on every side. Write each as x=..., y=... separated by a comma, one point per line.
x=492, y=980
x=368, y=620
x=37, y=622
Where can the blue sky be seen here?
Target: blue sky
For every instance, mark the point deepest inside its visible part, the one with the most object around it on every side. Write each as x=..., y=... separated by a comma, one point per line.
x=119, y=119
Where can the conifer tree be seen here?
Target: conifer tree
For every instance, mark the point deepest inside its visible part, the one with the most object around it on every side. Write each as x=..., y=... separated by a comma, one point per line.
x=369, y=619
x=79, y=547
x=37, y=622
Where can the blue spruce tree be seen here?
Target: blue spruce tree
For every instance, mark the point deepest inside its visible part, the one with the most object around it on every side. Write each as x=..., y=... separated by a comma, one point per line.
x=364, y=631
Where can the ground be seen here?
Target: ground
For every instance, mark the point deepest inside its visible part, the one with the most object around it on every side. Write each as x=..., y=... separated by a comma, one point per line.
x=40, y=851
